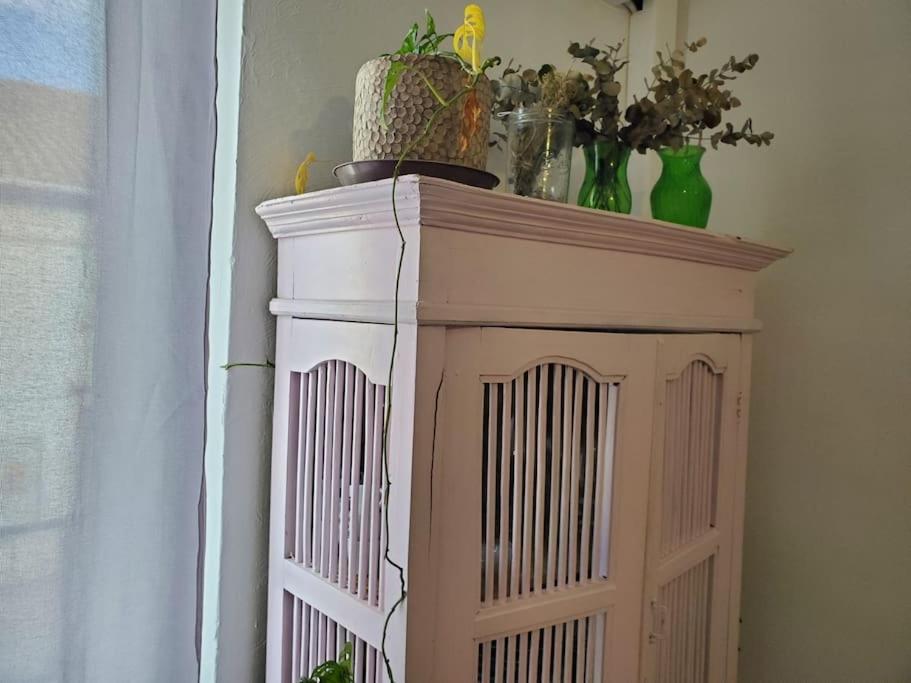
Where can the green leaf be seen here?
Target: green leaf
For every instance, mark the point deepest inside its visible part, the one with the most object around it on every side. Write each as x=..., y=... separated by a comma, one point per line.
x=409, y=44
x=431, y=26
x=396, y=69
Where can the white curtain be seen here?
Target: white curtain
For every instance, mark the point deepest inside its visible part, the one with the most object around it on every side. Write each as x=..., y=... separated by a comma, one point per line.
x=106, y=150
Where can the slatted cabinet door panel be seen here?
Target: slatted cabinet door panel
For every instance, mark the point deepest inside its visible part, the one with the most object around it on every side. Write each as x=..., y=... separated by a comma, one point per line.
x=695, y=458
x=327, y=581
x=543, y=460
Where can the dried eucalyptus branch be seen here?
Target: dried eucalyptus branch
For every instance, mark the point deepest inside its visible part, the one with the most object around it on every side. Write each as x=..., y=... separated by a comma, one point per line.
x=681, y=107
x=592, y=99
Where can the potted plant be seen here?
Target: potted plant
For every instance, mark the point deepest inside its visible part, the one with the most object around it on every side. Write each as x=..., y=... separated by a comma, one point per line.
x=679, y=113
x=397, y=94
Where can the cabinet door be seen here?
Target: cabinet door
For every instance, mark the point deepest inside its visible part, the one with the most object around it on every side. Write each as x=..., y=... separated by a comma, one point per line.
x=542, y=483
x=327, y=582
x=691, y=518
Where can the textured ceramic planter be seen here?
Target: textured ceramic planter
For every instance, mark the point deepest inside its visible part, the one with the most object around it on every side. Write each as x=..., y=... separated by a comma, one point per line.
x=411, y=104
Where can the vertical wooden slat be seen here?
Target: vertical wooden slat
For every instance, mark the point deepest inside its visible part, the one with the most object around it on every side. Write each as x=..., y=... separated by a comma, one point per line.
x=699, y=630
x=298, y=442
x=331, y=630
x=590, y=647
x=540, y=478
x=687, y=626
x=702, y=430
x=569, y=644
x=598, y=670
x=321, y=639
x=372, y=665
x=518, y=475
x=671, y=462
x=695, y=445
x=534, y=650
x=706, y=470
x=500, y=660
x=314, y=639
x=565, y=480
x=309, y=463
x=368, y=500
x=305, y=640
x=360, y=655
x=527, y=520
x=553, y=523
x=588, y=482
x=685, y=448
x=546, y=652
x=511, y=658
x=296, y=632
x=485, y=662
x=581, y=648
x=490, y=492
x=342, y=638
x=714, y=422
x=559, y=636
x=682, y=455
x=328, y=441
x=376, y=514
x=345, y=490
x=679, y=628
x=356, y=452
x=680, y=438
x=574, y=480
x=523, y=657
x=319, y=486
x=505, y=432
x=601, y=529
x=335, y=480
x=670, y=407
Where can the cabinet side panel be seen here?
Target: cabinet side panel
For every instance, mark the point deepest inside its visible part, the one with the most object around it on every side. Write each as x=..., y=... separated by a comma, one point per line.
x=737, y=517
x=427, y=491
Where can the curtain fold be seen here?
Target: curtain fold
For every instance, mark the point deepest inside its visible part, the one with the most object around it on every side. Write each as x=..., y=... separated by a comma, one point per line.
x=107, y=138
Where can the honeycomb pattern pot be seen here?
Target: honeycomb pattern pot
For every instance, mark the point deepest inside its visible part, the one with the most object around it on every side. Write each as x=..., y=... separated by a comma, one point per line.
x=411, y=105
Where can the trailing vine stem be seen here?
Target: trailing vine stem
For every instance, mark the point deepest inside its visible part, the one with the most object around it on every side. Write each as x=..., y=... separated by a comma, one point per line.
x=387, y=481
x=267, y=364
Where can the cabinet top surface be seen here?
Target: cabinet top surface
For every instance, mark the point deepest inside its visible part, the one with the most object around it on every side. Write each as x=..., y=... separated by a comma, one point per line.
x=434, y=203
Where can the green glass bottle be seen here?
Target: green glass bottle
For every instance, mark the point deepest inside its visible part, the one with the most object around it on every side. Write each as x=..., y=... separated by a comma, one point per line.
x=682, y=195
x=606, y=185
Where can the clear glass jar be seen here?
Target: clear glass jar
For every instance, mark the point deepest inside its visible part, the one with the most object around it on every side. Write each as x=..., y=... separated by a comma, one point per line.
x=539, y=153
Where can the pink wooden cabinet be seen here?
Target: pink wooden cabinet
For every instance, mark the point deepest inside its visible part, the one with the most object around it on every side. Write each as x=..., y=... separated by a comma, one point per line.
x=567, y=445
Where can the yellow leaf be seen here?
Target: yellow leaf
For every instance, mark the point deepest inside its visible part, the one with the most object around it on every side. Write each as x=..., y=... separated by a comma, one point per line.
x=303, y=173
x=468, y=37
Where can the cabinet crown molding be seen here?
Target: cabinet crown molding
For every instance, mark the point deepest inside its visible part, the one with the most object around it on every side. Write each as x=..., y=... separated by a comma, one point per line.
x=479, y=257
x=434, y=203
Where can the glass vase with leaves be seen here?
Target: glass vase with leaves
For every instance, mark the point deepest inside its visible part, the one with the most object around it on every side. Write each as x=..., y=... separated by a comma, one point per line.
x=680, y=112
x=540, y=129
x=590, y=100
x=597, y=130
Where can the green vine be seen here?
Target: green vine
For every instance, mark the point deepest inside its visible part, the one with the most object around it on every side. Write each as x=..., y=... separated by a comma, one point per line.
x=267, y=364
x=444, y=104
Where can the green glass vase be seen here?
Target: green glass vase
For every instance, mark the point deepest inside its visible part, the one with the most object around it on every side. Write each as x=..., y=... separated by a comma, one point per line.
x=682, y=195
x=606, y=185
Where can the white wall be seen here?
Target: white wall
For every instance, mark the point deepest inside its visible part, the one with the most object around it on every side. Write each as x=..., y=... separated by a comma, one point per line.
x=827, y=596
x=298, y=64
